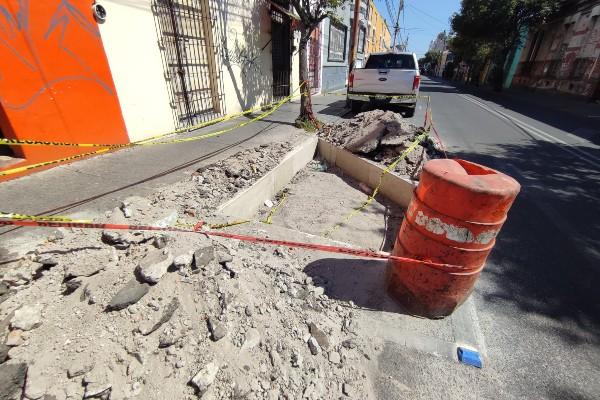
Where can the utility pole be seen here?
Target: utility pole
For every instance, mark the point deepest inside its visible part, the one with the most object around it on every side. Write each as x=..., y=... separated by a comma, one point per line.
x=397, y=25
x=354, y=41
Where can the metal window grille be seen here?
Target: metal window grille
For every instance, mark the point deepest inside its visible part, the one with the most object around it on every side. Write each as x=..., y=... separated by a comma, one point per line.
x=185, y=37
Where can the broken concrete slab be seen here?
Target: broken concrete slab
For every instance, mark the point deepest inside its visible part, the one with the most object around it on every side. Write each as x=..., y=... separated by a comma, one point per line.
x=129, y=294
x=167, y=314
x=154, y=265
x=27, y=318
x=204, y=255
x=12, y=380
x=367, y=139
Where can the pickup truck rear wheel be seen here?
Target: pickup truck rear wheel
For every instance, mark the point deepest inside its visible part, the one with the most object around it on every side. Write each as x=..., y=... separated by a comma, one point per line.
x=356, y=106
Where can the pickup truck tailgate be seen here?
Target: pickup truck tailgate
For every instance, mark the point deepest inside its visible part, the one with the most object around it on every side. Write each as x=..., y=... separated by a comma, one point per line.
x=383, y=81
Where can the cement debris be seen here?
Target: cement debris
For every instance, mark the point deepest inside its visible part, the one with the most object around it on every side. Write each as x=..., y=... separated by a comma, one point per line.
x=382, y=136
x=224, y=319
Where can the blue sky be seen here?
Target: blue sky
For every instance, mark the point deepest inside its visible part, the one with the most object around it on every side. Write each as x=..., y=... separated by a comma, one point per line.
x=423, y=20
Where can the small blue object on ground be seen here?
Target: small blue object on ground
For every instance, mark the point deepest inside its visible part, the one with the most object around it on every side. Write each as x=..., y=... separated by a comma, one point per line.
x=469, y=357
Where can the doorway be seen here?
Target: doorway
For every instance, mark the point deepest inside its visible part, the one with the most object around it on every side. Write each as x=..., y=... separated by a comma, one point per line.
x=281, y=52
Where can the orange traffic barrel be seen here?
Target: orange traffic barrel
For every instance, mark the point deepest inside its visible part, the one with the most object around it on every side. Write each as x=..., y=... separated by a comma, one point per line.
x=450, y=228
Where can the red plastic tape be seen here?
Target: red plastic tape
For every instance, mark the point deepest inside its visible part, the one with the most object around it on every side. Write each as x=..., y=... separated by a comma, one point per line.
x=246, y=238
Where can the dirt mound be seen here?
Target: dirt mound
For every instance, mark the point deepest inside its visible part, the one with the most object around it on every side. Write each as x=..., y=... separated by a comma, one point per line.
x=382, y=136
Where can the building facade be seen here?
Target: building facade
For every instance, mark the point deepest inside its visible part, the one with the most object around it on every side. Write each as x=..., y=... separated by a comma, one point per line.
x=379, y=35
x=129, y=70
x=563, y=55
x=363, y=31
x=336, y=50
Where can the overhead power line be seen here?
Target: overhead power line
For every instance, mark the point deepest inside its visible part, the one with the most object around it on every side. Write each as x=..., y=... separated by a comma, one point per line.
x=426, y=14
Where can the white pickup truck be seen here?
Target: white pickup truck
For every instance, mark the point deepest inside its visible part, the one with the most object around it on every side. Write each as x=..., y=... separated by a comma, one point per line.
x=386, y=78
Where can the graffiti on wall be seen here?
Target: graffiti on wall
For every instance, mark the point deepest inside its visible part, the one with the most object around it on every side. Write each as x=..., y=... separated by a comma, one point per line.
x=64, y=23
x=55, y=81
x=247, y=58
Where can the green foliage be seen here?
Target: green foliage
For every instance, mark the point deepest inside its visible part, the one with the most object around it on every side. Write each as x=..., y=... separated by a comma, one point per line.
x=496, y=24
x=307, y=124
x=431, y=57
x=489, y=29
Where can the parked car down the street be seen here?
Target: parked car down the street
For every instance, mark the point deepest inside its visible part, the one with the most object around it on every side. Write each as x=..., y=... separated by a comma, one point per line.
x=386, y=78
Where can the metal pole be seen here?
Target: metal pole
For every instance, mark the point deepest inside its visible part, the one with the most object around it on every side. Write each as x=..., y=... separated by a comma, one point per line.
x=397, y=25
x=354, y=42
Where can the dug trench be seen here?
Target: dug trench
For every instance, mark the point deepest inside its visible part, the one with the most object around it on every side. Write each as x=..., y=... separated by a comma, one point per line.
x=120, y=315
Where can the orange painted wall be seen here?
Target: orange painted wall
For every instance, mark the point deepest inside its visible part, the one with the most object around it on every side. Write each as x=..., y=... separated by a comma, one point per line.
x=55, y=82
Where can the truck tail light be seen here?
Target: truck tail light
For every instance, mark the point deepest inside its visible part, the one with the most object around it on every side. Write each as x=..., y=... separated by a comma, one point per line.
x=416, y=82
x=351, y=80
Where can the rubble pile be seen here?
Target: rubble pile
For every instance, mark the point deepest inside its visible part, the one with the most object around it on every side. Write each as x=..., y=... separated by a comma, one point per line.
x=382, y=136
x=146, y=315
x=224, y=178
x=207, y=188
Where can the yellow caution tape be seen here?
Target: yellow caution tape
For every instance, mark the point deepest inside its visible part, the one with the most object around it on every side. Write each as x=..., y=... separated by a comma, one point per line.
x=228, y=224
x=377, y=96
x=376, y=190
x=143, y=142
x=277, y=105
x=55, y=218
x=269, y=219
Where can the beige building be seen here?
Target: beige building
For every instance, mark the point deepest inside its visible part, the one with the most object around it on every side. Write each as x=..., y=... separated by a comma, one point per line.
x=564, y=54
x=378, y=35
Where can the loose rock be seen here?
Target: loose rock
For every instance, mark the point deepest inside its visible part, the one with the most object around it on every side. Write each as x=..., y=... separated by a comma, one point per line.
x=313, y=345
x=203, y=256
x=14, y=338
x=217, y=329
x=252, y=339
x=165, y=317
x=334, y=357
x=27, y=318
x=205, y=377
x=12, y=380
x=183, y=260
x=154, y=265
x=115, y=239
x=80, y=367
x=348, y=389
x=320, y=336
x=129, y=294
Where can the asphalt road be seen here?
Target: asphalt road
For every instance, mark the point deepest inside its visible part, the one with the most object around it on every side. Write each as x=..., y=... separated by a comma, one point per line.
x=538, y=299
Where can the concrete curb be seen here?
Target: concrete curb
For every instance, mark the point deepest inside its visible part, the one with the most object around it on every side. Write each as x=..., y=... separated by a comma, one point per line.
x=397, y=189
x=247, y=203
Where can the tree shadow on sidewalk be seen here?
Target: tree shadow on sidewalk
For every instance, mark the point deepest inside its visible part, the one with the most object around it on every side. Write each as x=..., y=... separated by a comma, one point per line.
x=546, y=261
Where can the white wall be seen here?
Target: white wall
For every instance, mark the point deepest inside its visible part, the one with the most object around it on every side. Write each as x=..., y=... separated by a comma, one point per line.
x=243, y=40
x=130, y=42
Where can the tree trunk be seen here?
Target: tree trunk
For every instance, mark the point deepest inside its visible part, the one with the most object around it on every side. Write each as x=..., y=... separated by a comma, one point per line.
x=499, y=74
x=305, y=111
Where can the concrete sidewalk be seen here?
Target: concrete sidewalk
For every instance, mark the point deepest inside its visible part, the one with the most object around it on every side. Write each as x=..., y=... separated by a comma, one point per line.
x=92, y=186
